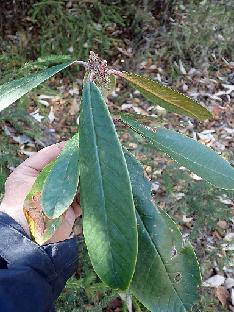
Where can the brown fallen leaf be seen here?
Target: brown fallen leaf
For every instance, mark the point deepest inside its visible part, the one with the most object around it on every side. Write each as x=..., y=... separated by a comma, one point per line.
x=222, y=294
x=74, y=107
x=223, y=224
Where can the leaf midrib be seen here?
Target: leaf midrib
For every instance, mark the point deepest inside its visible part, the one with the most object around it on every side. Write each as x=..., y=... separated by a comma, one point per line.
x=161, y=259
x=100, y=175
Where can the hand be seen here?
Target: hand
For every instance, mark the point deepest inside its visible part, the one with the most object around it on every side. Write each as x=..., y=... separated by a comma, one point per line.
x=19, y=183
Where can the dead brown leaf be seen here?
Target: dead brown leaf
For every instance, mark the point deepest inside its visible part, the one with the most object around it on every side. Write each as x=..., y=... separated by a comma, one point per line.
x=222, y=294
x=223, y=224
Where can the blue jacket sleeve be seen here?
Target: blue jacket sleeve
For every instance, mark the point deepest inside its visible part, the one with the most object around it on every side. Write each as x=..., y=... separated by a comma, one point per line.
x=32, y=276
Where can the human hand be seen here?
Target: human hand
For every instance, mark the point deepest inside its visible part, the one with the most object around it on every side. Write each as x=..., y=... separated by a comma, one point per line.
x=20, y=182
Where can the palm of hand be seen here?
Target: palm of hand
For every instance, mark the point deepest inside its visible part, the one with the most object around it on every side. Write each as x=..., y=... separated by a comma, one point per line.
x=19, y=184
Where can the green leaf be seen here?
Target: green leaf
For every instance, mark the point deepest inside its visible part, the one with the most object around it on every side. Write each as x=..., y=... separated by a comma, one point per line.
x=198, y=158
x=166, y=97
x=13, y=90
x=60, y=186
x=109, y=219
x=41, y=228
x=167, y=274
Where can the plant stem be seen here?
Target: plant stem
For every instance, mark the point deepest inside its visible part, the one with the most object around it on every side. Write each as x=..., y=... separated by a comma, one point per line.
x=85, y=64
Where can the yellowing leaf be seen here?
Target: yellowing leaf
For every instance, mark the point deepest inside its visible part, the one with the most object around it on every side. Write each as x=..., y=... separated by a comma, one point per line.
x=166, y=97
x=41, y=228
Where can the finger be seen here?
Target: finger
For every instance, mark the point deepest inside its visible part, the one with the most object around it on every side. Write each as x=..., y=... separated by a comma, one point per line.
x=42, y=158
x=76, y=206
x=77, y=210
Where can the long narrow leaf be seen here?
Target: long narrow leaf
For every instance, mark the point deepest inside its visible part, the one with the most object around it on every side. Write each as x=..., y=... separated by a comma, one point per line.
x=61, y=184
x=198, y=158
x=13, y=90
x=167, y=274
x=109, y=219
x=166, y=97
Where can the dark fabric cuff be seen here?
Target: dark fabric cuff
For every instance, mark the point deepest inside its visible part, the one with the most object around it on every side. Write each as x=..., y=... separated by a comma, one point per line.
x=65, y=260
x=54, y=262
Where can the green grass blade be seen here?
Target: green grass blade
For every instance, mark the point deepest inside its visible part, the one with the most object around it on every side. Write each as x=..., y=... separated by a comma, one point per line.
x=198, y=158
x=166, y=97
x=13, y=90
x=109, y=219
x=167, y=273
x=61, y=184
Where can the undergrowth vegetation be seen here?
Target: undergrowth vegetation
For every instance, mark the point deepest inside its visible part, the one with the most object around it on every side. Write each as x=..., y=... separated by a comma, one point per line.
x=85, y=292
x=199, y=33
x=194, y=32
x=77, y=27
